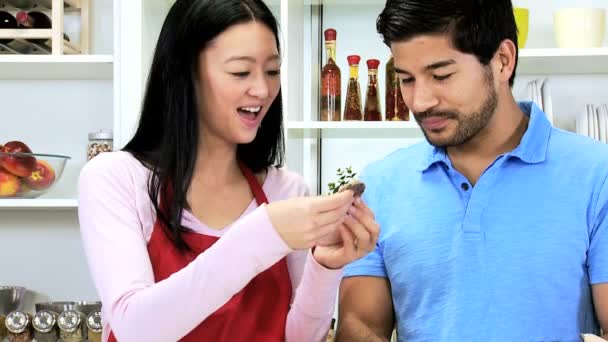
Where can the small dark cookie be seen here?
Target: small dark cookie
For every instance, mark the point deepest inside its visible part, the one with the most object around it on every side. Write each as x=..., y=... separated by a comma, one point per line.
x=356, y=186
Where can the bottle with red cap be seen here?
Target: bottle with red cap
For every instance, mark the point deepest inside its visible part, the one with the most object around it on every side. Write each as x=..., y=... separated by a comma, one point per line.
x=36, y=20
x=352, y=109
x=330, y=82
x=396, y=110
x=372, y=100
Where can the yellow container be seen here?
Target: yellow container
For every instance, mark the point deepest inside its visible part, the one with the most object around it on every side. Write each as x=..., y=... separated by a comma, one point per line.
x=522, y=20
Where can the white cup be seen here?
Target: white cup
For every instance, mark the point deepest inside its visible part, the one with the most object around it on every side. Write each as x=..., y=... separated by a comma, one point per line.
x=579, y=27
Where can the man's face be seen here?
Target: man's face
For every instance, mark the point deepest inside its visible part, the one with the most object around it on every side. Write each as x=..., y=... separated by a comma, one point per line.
x=451, y=94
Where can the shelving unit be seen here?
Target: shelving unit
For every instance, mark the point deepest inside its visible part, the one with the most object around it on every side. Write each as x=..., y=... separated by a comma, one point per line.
x=554, y=61
x=38, y=204
x=51, y=67
x=316, y=149
x=56, y=10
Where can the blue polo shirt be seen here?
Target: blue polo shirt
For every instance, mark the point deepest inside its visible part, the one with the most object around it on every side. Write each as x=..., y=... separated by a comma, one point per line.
x=511, y=259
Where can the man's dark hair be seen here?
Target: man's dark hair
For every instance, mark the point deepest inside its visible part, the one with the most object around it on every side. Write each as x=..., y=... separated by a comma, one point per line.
x=476, y=27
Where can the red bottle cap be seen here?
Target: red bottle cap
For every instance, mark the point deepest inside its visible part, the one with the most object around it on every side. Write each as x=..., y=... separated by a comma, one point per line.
x=353, y=59
x=330, y=34
x=373, y=63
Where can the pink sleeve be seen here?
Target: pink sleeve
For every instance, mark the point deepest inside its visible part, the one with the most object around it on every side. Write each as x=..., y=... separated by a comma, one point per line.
x=313, y=306
x=136, y=308
x=315, y=287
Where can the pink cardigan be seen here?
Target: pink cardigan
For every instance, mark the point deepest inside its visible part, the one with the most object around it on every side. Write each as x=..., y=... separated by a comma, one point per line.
x=116, y=221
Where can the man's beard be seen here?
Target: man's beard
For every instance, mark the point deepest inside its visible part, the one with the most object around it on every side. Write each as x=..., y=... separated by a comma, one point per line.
x=467, y=126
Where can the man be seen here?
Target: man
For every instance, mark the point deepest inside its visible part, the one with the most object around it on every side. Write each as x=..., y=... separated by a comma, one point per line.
x=495, y=228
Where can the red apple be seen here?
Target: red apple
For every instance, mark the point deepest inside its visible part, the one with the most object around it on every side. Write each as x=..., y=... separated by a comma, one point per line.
x=9, y=184
x=41, y=178
x=18, y=165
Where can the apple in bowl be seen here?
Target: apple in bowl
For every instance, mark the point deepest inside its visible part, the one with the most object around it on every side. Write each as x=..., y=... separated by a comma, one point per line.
x=17, y=158
x=24, y=174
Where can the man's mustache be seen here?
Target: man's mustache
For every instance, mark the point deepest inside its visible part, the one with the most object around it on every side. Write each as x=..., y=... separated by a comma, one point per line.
x=434, y=114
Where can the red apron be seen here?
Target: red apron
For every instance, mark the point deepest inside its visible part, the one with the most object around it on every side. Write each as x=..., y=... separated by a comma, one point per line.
x=257, y=313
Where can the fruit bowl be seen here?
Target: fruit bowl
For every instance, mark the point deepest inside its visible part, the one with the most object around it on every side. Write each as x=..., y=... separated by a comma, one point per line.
x=29, y=175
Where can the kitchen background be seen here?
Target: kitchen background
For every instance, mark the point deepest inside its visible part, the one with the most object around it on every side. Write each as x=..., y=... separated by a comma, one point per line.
x=53, y=101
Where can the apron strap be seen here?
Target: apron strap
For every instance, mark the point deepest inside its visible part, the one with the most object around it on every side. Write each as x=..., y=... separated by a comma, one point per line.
x=256, y=188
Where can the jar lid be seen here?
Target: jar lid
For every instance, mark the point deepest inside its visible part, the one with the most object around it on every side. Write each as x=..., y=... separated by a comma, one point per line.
x=16, y=322
x=94, y=322
x=102, y=134
x=44, y=321
x=69, y=321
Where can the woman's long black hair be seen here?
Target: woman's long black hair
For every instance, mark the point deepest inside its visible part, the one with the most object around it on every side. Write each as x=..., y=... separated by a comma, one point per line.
x=167, y=137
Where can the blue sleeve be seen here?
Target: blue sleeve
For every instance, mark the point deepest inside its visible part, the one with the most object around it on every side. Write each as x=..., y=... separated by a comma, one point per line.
x=373, y=263
x=597, y=256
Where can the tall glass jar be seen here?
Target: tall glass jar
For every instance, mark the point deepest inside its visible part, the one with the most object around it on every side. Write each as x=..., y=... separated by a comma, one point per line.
x=330, y=81
x=19, y=326
x=45, y=326
x=372, y=100
x=71, y=326
x=352, y=109
x=94, y=327
x=100, y=141
x=396, y=110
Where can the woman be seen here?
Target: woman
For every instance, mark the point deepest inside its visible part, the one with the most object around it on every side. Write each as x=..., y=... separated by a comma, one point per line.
x=193, y=232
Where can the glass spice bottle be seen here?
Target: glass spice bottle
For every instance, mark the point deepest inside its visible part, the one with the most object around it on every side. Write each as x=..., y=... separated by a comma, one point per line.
x=94, y=327
x=372, y=100
x=45, y=326
x=19, y=326
x=352, y=109
x=71, y=326
x=396, y=110
x=3, y=330
x=100, y=141
x=331, y=81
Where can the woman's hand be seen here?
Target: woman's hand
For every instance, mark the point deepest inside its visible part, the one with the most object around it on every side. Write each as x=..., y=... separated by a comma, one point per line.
x=359, y=234
x=302, y=221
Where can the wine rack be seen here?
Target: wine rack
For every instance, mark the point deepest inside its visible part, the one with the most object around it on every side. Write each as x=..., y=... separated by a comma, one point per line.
x=56, y=43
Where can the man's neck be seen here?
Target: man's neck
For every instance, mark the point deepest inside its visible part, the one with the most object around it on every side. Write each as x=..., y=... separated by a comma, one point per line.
x=502, y=135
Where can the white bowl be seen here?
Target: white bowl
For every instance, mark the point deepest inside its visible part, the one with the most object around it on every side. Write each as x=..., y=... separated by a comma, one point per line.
x=579, y=27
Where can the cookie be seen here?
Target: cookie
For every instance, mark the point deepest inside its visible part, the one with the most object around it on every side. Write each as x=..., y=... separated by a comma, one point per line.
x=356, y=186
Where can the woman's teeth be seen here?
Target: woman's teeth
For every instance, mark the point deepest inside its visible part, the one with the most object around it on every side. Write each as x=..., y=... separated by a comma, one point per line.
x=253, y=110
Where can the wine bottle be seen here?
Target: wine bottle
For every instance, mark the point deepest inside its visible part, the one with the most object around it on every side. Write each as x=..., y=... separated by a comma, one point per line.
x=396, y=109
x=330, y=82
x=7, y=21
x=353, y=92
x=372, y=99
x=36, y=20
x=21, y=4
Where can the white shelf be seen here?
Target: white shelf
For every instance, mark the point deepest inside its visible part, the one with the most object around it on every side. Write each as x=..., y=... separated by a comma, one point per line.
x=342, y=125
x=70, y=67
x=38, y=203
x=353, y=129
x=563, y=61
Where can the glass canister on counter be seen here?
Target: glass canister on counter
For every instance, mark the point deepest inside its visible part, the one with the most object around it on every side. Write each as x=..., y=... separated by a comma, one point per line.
x=352, y=109
x=3, y=330
x=396, y=110
x=372, y=100
x=331, y=82
x=94, y=327
x=72, y=327
x=100, y=141
x=19, y=326
x=45, y=326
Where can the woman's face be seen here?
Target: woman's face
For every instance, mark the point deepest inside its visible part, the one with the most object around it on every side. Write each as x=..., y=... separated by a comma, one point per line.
x=238, y=80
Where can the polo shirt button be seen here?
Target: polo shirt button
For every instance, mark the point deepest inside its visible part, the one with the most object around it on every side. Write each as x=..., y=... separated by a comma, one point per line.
x=464, y=186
